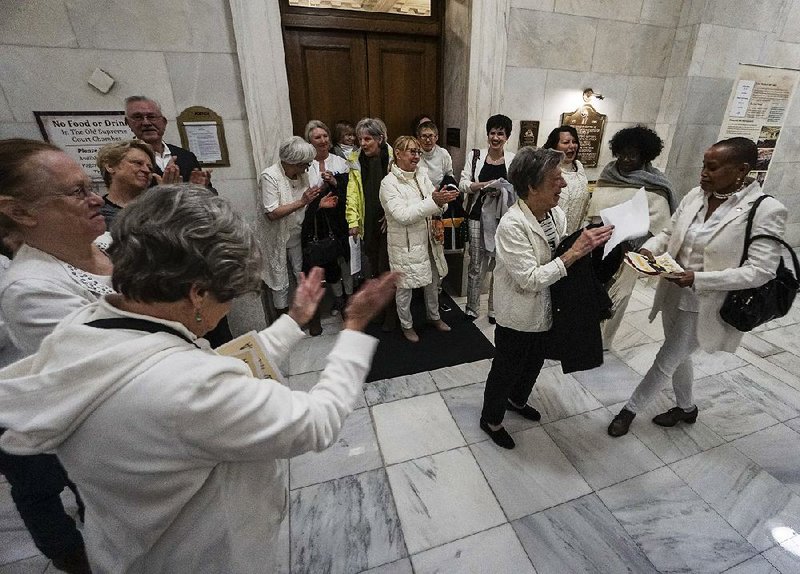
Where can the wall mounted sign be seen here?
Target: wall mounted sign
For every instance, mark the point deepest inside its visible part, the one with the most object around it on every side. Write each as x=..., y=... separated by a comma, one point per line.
x=757, y=109
x=528, y=132
x=81, y=134
x=590, y=124
x=203, y=134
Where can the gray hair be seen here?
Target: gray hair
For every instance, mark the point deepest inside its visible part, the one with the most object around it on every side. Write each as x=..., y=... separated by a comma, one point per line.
x=529, y=167
x=132, y=99
x=314, y=124
x=295, y=150
x=177, y=236
x=372, y=126
x=110, y=155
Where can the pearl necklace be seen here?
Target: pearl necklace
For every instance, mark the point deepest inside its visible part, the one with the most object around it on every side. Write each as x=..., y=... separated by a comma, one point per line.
x=727, y=195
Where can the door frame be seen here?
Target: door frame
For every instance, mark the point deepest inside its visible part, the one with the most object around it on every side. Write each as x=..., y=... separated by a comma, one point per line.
x=355, y=21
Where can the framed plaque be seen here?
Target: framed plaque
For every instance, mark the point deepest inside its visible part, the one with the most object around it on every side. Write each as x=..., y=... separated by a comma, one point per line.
x=528, y=132
x=203, y=134
x=81, y=134
x=590, y=124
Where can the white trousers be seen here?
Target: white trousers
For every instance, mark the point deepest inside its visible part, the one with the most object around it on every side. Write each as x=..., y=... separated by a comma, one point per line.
x=673, y=361
x=403, y=298
x=294, y=260
x=480, y=263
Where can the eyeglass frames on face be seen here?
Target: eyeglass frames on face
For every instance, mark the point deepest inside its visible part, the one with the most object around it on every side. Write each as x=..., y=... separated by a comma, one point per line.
x=414, y=151
x=141, y=117
x=81, y=193
x=427, y=136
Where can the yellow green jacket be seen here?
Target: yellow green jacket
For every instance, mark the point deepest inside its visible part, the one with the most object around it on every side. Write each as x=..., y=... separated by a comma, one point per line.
x=354, y=208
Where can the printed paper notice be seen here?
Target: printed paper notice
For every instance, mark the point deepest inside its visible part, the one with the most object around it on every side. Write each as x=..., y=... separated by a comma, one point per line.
x=631, y=220
x=203, y=141
x=355, y=255
x=248, y=348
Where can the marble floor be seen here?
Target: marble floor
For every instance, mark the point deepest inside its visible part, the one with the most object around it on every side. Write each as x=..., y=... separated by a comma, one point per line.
x=413, y=485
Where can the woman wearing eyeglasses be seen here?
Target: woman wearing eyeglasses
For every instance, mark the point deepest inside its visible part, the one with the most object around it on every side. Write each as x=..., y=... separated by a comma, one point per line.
x=47, y=199
x=409, y=201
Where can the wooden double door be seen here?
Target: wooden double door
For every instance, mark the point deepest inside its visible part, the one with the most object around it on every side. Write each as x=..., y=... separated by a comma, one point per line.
x=349, y=75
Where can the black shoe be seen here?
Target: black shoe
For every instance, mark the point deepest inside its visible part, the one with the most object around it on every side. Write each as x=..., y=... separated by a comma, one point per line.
x=526, y=411
x=492, y=320
x=500, y=436
x=73, y=561
x=621, y=423
x=675, y=415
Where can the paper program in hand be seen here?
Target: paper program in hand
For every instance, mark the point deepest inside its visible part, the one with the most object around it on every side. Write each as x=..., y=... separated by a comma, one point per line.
x=631, y=219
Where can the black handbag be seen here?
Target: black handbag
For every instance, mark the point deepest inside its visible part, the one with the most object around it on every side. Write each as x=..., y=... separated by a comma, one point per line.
x=321, y=251
x=746, y=309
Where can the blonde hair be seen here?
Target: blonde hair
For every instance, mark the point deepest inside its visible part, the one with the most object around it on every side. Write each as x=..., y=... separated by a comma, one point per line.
x=110, y=155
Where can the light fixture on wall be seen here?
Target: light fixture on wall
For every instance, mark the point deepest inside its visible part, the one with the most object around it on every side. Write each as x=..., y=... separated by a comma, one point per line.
x=589, y=93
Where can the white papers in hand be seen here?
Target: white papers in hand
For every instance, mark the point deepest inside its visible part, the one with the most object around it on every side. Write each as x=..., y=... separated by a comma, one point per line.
x=355, y=255
x=631, y=219
x=500, y=183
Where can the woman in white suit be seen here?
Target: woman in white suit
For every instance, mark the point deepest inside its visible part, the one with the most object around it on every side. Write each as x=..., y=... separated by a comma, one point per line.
x=707, y=239
x=485, y=207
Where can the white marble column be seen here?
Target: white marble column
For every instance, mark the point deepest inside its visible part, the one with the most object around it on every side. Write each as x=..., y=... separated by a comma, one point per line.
x=487, y=66
x=259, y=46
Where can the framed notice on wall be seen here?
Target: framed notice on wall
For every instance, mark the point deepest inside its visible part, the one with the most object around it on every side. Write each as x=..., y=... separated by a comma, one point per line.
x=203, y=133
x=81, y=134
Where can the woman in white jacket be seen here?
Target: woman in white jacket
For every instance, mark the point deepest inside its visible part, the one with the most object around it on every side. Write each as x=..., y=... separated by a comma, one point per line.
x=175, y=448
x=410, y=200
x=706, y=239
x=525, y=241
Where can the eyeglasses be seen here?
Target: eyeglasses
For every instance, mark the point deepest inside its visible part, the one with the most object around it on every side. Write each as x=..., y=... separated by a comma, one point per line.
x=80, y=193
x=141, y=117
x=427, y=136
x=414, y=151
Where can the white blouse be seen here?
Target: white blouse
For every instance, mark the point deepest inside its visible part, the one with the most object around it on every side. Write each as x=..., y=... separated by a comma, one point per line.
x=574, y=198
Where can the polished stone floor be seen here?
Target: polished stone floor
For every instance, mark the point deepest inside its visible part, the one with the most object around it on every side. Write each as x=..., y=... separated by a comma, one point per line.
x=413, y=485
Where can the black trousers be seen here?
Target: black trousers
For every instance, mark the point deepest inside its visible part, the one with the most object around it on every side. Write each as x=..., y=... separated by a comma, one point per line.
x=518, y=359
x=36, y=484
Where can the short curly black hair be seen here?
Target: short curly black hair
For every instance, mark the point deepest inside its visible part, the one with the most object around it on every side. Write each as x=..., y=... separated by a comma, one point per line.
x=638, y=137
x=499, y=121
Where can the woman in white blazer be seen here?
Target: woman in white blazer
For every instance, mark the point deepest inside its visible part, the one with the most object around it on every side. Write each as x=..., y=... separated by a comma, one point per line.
x=526, y=238
x=409, y=200
x=707, y=238
x=481, y=168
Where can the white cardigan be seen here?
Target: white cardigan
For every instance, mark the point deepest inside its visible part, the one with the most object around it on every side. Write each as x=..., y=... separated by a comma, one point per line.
x=174, y=448
x=525, y=269
x=721, y=272
x=406, y=199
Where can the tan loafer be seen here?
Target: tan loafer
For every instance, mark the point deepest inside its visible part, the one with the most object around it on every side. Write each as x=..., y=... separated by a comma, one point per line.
x=411, y=335
x=440, y=325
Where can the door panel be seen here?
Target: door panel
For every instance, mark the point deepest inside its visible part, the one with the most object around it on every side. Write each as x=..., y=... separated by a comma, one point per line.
x=327, y=76
x=403, y=80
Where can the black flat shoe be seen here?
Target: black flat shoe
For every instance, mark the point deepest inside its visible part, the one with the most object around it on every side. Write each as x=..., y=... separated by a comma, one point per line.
x=492, y=321
x=675, y=415
x=499, y=436
x=526, y=411
x=621, y=423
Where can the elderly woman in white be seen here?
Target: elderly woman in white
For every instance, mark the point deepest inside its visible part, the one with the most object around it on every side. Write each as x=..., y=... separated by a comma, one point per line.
x=410, y=200
x=285, y=193
x=526, y=238
x=706, y=239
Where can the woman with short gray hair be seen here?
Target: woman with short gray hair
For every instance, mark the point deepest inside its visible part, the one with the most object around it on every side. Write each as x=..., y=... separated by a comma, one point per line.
x=127, y=169
x=174, y=447
x=525, y=241
x=285, y=193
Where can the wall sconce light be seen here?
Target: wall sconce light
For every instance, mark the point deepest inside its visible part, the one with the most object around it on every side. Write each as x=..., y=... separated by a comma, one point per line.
x=589, y=93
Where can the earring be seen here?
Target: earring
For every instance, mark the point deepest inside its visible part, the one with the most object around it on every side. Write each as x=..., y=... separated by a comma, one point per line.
x=197, y=316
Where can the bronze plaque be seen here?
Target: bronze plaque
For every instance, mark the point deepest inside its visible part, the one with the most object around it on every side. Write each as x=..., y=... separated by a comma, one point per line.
x=528, y=132
x=589, y=124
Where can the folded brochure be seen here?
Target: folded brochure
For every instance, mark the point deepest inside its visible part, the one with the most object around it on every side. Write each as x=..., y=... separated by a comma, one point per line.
x=250, y=349
x=663, y=265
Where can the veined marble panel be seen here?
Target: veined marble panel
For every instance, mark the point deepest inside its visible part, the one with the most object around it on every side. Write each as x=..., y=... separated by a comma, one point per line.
x=676, y=530
x=464, y=374
x=771, y=395
x=755, y=344
x=494, y=550
x=629, y=336
x=752, y=501
x=784, y=371
x=37, y=22
x=442, y=498
x=310, y=354
x=465, y=404
x=632, y=49
x=558, y=396
x=579, y=536
x=641, y=320
x=715, y=363
x=660, y=13
x=531, y=35
x=775, y=450
x=639, y=358
x=785, y=557
x=533, y=476
x=788, y=337
x=345, y=525
x=399, y=567
x=213, y=79
x=34, y=565
x=388, y=390
x=762, y=15
x=726, y=412
x=415, y=427
x=611, y=382
x=355, y=451
x=305, y=381
x=601, y=459
x=756, y=565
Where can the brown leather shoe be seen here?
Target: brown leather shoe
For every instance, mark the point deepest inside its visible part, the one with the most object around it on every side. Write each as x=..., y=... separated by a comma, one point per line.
x=440, y=325
x=411, y=335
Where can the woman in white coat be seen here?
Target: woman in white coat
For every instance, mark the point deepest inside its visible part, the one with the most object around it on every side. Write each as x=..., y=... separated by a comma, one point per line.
x=485, y=207
x=410, y=200
x=707, y=237
x=526, y=239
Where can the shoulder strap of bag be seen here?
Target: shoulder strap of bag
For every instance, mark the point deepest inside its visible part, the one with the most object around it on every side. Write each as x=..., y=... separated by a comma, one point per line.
x=137, y=325
x=788, y=248
x=476, y=155
x=750, y=216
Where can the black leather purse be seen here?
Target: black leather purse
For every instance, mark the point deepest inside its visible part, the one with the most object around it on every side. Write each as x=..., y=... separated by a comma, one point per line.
x=746, y=309
x=321, y=251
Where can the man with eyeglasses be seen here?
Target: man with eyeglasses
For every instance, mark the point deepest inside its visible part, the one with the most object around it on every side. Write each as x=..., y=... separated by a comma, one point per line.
x=173, y=163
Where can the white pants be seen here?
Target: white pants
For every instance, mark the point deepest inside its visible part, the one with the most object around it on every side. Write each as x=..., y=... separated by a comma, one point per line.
x=673, y=361
x=294, y=260
x=403, y=298
x=480, y=263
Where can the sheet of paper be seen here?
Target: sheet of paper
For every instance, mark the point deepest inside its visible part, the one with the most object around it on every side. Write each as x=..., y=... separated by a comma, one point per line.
x=631, y=220
x=500, y=183
x=203, y=141
x=355, y=255
x=248, y=348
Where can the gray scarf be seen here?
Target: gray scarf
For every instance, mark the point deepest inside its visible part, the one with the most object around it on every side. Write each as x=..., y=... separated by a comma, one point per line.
x=649, y=177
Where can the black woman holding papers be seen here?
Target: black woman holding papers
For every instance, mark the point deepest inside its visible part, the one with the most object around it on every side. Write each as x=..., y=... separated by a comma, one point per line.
x=708, y=232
